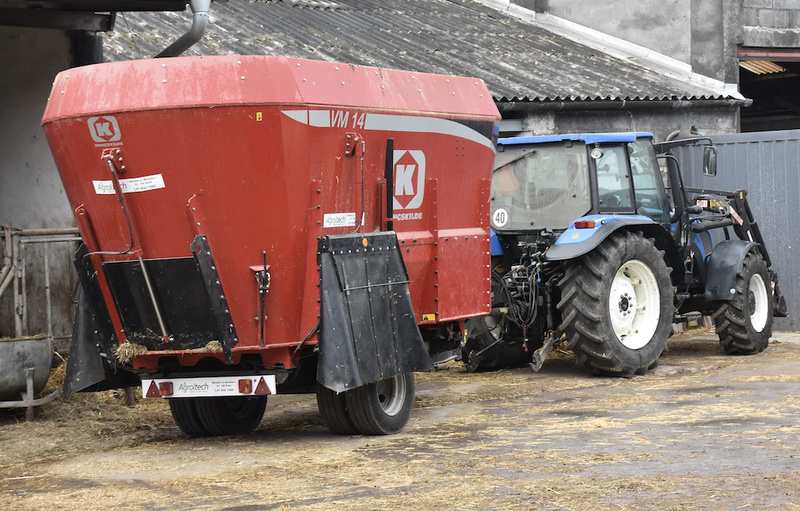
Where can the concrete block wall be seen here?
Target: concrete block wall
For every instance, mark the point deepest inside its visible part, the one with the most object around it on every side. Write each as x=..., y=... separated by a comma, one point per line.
x=771, y=23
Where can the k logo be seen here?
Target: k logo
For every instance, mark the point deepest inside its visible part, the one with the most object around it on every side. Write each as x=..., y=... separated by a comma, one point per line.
x=104, y=129
x=409, y=179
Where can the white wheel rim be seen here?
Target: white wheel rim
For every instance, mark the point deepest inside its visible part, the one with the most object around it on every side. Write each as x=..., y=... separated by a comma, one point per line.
x=758, y=299
x=634, y=304
x=392, y=394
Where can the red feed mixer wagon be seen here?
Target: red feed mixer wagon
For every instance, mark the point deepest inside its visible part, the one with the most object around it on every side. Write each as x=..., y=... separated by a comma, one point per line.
x=240, y=238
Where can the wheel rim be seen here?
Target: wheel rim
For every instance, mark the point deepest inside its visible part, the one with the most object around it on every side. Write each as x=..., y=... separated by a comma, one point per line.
x=392, y=394
x=757, y=298
x=634, y=304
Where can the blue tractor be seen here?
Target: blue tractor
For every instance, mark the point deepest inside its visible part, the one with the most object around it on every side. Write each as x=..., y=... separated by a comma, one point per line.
x=593, y=244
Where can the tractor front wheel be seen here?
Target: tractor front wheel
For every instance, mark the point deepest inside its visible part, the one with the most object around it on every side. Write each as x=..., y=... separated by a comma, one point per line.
x=744, y=323
x=617, y=305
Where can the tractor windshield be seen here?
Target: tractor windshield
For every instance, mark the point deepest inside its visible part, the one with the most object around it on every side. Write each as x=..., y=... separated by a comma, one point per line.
x=540, y=186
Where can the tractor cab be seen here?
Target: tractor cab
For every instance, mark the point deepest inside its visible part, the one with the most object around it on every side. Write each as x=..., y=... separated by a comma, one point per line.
x=547, y=182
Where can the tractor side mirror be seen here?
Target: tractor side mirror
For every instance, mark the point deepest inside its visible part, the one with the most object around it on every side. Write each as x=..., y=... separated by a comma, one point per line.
x=710, y=161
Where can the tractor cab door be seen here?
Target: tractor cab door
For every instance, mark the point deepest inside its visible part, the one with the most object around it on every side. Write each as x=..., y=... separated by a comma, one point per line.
x=629, y=181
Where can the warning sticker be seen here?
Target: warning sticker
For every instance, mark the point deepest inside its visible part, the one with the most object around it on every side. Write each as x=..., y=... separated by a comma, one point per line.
x=130, y=185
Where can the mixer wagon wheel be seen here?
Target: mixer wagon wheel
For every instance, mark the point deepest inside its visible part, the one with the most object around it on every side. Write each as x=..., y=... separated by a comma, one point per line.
x=333, y=409
x=184, y=412
x=217, y=416
x=744, y=323
x=617, y=305
x=383, y=407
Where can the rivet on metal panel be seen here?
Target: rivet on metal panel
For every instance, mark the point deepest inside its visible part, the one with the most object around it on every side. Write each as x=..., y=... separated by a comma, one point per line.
x=198, y=223
x=243, y=78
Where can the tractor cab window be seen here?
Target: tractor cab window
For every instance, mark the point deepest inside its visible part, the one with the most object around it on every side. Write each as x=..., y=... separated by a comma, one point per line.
x=651, y=199
x=538, y=186
x=613, y=180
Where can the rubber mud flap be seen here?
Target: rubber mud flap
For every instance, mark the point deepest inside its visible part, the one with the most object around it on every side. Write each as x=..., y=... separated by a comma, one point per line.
x=87, y=370
x=368, y=331
x=92, y=333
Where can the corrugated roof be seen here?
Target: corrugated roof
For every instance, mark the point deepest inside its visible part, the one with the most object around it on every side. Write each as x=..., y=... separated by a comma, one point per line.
x=762, y=67
x=518, y=61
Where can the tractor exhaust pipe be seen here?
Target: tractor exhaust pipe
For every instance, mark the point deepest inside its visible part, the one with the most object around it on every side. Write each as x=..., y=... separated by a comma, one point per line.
x=195, y=33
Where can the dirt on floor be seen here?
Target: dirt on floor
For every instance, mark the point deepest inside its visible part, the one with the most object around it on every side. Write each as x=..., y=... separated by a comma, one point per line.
x=701, y=431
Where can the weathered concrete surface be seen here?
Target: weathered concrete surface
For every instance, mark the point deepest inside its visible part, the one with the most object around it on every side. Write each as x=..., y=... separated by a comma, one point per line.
x=702, y=431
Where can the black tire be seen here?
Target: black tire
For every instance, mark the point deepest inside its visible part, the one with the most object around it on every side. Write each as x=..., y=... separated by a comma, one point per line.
x=494, y=342
x=220, y=416
x=184, y=412
x=384, y=407
x=617, y=305
x=744, y=323
x=490, y=345
x=333, y=410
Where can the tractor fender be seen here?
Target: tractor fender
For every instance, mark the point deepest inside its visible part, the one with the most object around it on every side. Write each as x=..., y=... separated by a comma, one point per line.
x=575, y=242
x=724, y=263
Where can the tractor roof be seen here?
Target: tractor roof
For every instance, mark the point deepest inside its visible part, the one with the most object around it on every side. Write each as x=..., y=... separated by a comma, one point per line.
x=587, y=138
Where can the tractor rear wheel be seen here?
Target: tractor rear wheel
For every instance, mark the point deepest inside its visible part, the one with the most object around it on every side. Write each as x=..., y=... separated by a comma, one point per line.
x=617, y=305
x=383, y=407
x=218, y=416
x=333, y=409
x=744, y=323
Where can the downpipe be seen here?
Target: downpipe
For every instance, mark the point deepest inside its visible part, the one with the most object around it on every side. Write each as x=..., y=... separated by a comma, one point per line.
x=199, y=23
